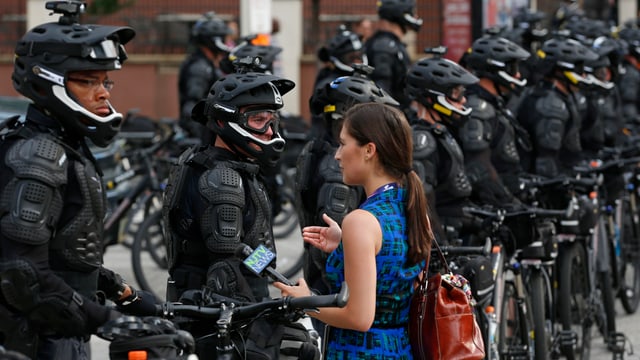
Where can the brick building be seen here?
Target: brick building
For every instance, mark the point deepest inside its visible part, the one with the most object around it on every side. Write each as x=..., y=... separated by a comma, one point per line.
x=163, y=26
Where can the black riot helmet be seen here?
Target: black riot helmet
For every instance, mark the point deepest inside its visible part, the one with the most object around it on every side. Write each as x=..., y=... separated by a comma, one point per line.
x=266, y=53
x=432, y=81
x=631, y=35
x=399, y=12
x=498, y=59
x=586, y=30
x=45, y=56
x=248, y=87
x=335, y=98
x=344, y=49
x=610, y=55
x=564, y=59
x=210, y=31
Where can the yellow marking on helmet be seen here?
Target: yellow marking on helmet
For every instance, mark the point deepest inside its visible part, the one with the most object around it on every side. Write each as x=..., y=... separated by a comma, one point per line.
x=329, y=108
x=541, y=54
x=442, y=109
x=571, y=76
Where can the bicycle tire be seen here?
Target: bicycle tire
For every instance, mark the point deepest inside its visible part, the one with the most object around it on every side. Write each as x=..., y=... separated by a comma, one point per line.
x=629, y=260
x=537, y=296
x=150, y=275
x=515, y=322
x=573, y=299
x=608, y=326
x=286, y=221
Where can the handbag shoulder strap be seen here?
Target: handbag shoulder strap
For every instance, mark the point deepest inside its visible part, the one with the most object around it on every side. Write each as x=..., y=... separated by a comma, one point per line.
x=443, y=260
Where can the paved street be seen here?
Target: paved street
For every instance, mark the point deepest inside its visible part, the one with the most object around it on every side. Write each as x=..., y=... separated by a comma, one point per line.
x=118, y=259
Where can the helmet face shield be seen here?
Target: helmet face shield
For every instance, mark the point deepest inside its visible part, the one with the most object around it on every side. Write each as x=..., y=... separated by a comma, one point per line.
x=105, y=50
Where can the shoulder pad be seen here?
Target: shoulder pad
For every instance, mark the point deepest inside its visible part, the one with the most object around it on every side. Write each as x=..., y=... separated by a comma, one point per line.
x=41, y=157
x=200, y=67
x=551, y=105
x=482, y=109
x=385, y=44
x=475, y=134
x=424, y=144
x=306, y=164
x=222, y=185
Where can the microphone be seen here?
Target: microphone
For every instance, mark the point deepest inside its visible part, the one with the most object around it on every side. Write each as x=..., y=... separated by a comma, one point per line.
x=259, y=260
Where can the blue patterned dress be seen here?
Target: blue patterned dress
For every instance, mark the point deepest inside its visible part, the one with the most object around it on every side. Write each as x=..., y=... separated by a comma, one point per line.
x=388, y=338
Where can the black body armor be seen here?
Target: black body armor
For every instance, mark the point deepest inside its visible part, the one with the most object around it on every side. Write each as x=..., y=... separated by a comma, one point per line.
x=390, y=60
x=195, y=78
x=320, y=190
x=215, y=203
x=553, y=122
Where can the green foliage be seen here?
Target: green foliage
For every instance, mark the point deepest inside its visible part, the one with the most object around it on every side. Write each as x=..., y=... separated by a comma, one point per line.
x=106, y=7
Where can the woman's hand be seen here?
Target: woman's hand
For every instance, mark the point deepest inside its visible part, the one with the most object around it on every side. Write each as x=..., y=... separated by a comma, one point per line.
x=301, y=289
x=324, y=238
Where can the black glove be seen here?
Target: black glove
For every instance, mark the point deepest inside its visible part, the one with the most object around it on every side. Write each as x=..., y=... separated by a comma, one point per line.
x=110, y=283
x=139, y=303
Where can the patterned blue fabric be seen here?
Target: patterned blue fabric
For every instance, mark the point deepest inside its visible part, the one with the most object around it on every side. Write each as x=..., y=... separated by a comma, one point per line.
x=388, y=338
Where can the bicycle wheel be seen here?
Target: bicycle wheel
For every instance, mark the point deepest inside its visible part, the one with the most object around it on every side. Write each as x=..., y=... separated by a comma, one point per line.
x=537, y=295
x=607, y=324
x=151, y=275
x=290, y=250
x=573, y=302
x=286, y=222
x=515, y=322
x=629, y=260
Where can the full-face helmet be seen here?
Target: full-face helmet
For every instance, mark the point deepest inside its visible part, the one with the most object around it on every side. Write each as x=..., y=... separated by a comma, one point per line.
x=610, y=54
x=631, y=35
x=344, y=49
x=46, y=55
x=210, y=31
x=399, y=12
x=434, y=81
x=335, y=98
x=221, y=110
x=564, y=59
x=498, y=59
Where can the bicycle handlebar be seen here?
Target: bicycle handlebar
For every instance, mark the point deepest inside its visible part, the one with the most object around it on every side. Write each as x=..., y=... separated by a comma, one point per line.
x=529, y=211
x=562, y=181
x=464, y=250
x=169, y=310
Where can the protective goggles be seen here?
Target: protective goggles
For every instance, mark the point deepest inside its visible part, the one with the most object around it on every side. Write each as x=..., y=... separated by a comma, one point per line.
x=259, y=121
x=456, y=94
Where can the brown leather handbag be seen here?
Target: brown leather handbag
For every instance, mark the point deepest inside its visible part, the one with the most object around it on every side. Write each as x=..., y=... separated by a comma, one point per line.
x=442, y=325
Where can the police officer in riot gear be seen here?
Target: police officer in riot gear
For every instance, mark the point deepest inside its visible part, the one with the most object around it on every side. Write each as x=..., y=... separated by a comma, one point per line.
x=201, y=69
x=385, y=50
x=436, y=87
x=338, y=55
x=216, y=199
x=629, y=81
x=319, y=186
x=490, y=136
x=605, y=101
x=52, y=199
x=550, y=113
x=343, y=50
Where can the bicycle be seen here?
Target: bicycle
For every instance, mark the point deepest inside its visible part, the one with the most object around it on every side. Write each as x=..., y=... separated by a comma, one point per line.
x=583, y=295
x=228, y=317
x=514, y=314
x=623, y=229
